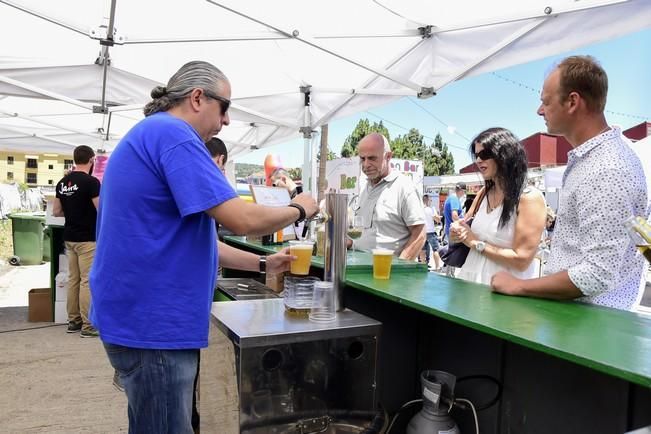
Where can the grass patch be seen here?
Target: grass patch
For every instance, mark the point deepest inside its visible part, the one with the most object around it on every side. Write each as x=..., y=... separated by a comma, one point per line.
x=6, y=240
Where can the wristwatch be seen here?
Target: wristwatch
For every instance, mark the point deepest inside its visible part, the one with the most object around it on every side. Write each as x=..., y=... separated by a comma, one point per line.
x=480, y=246
x=263, y=264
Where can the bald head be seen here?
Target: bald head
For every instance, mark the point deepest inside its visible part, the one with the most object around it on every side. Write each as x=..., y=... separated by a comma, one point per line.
x=374, y=140
x=374, y=156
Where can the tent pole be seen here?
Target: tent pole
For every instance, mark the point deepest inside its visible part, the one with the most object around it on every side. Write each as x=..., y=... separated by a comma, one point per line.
x=521, y=33
x=528, y=15
x=45, y=17
x=49, y=124
x=47, y=93
x=326, y=117
x=106, y=57
x=297, y=35
x=40, y=136
x=306, y=129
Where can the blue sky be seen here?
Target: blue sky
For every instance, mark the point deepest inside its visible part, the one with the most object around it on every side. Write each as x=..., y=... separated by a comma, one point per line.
x=507, y=98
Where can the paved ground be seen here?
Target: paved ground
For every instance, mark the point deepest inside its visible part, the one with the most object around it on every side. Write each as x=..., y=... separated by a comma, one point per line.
x=55, y=382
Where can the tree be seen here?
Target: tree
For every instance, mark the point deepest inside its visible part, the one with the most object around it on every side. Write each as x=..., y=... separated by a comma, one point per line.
x=436, y=158
x=444, y=162
x=410, y=146
x=362, y=129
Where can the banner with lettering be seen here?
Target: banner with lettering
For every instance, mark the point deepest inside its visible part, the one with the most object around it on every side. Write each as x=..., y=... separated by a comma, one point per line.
x=412, y=169
x=344, y=175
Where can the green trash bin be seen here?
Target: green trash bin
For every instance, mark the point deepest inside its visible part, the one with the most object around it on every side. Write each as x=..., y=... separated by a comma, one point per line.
x=47, y=239
x=27, y=232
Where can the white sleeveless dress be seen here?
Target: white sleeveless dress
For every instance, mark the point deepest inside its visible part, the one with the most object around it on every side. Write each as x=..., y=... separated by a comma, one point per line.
x=478, y=268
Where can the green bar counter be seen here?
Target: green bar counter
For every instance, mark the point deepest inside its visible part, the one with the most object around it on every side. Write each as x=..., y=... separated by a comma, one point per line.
x=563, y=367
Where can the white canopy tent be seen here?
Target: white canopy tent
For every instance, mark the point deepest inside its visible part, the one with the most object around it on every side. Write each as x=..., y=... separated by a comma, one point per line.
x=294, y=65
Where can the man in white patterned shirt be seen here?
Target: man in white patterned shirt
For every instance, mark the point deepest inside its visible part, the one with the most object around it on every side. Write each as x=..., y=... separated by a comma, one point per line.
x=592, y=258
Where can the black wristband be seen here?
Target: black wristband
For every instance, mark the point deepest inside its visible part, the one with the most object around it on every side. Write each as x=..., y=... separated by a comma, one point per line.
x=263, y=264
x=300, y=209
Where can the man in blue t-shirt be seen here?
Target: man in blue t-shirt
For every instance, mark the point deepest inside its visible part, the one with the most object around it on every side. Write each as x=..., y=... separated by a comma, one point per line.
x=155, y=266
x=452, y=210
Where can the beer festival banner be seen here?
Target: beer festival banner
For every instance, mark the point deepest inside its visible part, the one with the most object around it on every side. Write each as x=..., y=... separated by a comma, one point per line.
x=344, y=175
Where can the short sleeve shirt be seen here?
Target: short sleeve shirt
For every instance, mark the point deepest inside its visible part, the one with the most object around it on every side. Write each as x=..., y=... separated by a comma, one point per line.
x=430, y=227
x=76, y=192
x=452, y=203
x=153, y=277
x=388, y=209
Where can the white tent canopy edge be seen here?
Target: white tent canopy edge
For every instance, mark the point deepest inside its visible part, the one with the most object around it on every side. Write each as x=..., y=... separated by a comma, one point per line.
x=363, y=64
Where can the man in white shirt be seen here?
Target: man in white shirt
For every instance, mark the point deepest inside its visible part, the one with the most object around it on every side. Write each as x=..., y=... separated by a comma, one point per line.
x=432, y=218
x=592, y=258
x=389, y=204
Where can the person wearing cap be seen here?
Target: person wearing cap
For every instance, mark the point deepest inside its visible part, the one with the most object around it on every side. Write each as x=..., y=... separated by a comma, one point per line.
x=389, y=204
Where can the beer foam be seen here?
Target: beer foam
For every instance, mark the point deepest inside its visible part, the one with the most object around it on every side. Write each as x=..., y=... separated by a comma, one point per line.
x=302, y=247
x=382, y=252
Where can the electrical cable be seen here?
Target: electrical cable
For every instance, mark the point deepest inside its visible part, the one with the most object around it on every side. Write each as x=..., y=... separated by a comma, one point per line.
x=474, y=413
x=32, y=328
x=537, y=91
x=436, y=118
x=398, y=125
x=458, y=401
x=400, y=410
x=494, y=380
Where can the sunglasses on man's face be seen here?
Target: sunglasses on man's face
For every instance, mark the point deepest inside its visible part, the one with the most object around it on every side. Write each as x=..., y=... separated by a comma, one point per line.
x=223, y=102
x=484, y=154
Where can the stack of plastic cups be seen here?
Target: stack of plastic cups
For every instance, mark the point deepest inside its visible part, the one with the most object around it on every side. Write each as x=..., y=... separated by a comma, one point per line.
x=323, y=303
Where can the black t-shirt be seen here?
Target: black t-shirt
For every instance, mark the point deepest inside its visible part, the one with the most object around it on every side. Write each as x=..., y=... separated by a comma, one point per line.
x=76, y=192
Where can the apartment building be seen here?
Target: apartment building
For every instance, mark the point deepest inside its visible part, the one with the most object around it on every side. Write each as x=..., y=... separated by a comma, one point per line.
x=33, y=169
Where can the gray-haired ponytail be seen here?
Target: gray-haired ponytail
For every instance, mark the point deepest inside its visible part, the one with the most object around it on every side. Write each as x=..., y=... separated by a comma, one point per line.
x=192, y=75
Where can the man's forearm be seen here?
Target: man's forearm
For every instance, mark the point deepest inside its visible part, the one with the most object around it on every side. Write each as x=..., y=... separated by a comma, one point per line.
x=414, y=244
x=251, y=219
x=557, y=286
x=57, y=209
x=273, y=219
x=237, y=259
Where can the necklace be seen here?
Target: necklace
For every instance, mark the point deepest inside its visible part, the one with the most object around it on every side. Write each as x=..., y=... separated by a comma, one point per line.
x=489, y=208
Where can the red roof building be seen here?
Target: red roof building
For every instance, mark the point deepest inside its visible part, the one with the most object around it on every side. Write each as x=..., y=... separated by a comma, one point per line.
x=638, y=132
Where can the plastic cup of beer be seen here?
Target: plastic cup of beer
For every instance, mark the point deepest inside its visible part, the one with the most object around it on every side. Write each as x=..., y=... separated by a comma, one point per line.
x=382, y=263
x=303, y=252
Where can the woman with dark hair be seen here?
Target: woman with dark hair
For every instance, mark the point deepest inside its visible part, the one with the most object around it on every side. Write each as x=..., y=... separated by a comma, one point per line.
x=509, y=217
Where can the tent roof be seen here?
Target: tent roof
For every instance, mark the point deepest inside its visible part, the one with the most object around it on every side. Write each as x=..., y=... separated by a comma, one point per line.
x=349, y=56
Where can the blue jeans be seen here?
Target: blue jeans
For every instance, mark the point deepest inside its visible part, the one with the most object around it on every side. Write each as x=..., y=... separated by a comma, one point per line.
x=159, y=387
x=431, y=241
